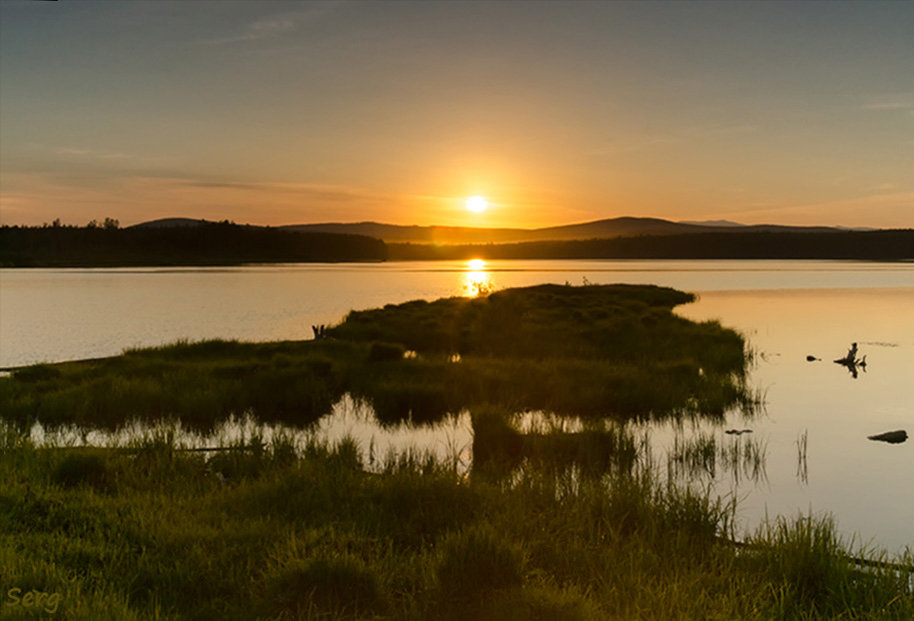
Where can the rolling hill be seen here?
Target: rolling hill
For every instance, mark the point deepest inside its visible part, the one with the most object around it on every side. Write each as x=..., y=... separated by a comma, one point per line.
x=599, y=229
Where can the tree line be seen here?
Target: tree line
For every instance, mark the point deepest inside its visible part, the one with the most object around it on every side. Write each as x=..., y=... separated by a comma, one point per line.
x=105, y=244
x=882, y=245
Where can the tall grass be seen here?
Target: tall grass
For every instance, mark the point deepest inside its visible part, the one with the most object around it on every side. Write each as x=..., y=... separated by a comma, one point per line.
x=293, y=533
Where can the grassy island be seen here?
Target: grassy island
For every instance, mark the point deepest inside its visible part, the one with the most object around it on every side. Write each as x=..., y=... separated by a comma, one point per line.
x=546, y=525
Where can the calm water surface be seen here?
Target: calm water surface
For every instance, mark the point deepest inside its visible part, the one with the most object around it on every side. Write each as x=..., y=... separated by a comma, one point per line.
x=788, y=310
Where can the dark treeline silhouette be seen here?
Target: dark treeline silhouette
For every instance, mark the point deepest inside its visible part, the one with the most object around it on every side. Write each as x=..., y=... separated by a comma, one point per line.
x=216, y=243
x=883, y=245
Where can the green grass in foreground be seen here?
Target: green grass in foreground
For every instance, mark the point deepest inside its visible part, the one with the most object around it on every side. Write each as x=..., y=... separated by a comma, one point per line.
x=280, y=534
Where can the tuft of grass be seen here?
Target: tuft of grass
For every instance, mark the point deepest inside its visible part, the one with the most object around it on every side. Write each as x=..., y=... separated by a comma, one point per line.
x=475, y=562
x=806, y=561
x=85, y=468
x=340, y=587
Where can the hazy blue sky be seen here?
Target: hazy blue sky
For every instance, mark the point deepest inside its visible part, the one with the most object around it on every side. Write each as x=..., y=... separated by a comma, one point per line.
x=290, y=112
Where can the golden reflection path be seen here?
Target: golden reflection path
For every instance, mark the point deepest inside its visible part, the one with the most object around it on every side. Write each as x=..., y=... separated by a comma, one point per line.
x=477, y=280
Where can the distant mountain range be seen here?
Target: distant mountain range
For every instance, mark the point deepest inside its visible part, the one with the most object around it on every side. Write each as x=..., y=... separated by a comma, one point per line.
x=599, y=229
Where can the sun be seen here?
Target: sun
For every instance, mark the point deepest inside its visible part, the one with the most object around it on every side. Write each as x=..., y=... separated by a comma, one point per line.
x=477, y=204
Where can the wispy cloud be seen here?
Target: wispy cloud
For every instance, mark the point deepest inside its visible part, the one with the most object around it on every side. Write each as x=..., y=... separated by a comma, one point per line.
x=890, y=102
x=91, y=153
x=276, y=26
x=306, y=190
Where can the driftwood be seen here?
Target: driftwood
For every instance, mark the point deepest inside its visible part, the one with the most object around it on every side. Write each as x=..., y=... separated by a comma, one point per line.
x=851, y=361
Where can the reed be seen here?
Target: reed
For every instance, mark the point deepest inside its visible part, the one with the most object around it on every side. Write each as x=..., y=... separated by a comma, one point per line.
x=309, y=532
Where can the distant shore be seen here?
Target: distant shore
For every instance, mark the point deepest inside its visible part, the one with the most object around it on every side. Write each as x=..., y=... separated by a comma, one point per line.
x=216, y=243
x=885, y=245
x=223, y=243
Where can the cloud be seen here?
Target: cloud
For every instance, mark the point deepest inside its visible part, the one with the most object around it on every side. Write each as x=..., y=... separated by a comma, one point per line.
x=316, y=191
x=276, y=26
x=890, y=102
x=91, y=153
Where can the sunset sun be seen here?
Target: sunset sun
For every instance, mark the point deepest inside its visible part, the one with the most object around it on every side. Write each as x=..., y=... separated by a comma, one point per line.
x=477, y=204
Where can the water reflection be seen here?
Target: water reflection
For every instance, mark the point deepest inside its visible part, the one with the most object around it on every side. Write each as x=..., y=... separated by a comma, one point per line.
x=707, y=454
x=449, y=440
x=478, y=281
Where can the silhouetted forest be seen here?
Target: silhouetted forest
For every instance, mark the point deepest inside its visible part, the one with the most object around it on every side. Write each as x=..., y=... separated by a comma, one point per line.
x=226, y=243
x=216, y=243
x=884, y=245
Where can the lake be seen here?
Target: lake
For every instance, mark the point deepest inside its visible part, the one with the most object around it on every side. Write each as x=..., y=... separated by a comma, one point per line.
x=811, y=436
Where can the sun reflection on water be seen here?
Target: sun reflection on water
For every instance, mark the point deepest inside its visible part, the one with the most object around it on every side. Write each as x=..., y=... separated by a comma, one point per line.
x=477, y=281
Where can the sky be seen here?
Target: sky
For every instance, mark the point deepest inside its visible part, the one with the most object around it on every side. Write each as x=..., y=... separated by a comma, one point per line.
x=287, y=112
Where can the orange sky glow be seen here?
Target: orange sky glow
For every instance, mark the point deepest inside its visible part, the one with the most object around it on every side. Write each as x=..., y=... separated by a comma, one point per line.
x=285, y=113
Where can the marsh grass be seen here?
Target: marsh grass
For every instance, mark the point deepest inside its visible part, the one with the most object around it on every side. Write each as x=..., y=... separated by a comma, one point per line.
x=308, y=532
x=814, y=573
x=337, y=586
x=595, y=351
x=87, y=468
x=476, y=561
x=568, y=522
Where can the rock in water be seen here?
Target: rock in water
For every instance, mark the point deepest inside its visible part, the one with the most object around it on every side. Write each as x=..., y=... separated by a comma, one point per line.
x=811, y=358
x=893, y=437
